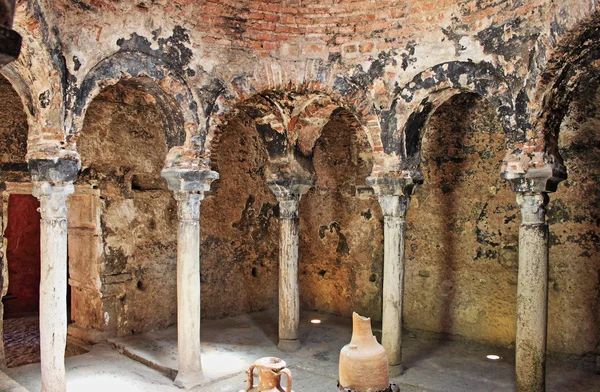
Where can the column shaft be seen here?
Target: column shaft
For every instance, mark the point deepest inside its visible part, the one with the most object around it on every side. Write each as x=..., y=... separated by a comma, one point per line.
x=532, y=294
x=394, y=210
x=188, y=289
x=289, y=288
x=53, y=283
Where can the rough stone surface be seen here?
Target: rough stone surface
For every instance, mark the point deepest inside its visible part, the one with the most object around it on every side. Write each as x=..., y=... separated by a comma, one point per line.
x=341, y=234
x=239, y=229
x=462, y=229
x=135, y=214
x=574, y=218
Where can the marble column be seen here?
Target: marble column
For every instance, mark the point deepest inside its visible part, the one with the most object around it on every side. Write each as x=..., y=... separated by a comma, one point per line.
x=53, y=282
x=532, y=293
x=189, y=188
x=288, y=195
x=394, y=228
x=394, y=197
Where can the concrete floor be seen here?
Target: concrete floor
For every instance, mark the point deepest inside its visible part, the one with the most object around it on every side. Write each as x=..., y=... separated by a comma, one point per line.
x=231, y=345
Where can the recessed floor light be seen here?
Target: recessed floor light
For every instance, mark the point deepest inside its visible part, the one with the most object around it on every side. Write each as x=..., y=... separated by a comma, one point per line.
x=315, y=321
x=493, y=357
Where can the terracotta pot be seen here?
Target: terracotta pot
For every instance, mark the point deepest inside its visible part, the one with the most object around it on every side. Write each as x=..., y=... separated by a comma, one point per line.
x=270, y=370
x=363, y=362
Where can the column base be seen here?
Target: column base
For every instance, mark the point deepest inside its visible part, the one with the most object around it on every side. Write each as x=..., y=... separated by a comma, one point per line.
x=189, y=380
x=289, y=345
x=396, y=370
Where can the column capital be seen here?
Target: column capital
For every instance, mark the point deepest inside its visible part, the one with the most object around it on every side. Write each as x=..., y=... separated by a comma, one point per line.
x=391, y=186
x=189, y=180
x=394, y=205
x=533, y=207
x=53, y=198
x=290, y=188
x=188, y=205
x=524, y=178
x=54, y=171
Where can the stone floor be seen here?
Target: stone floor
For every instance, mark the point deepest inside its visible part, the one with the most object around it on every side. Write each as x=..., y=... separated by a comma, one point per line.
x=231, y=345
x=22, y=340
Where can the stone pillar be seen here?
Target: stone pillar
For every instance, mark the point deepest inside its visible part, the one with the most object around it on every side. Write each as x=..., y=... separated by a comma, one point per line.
x=53, y=282
x=394, y=197
x=394, y=228
x=288, y=195
x=532, y=293
x=532, y=186
x=52, y=184
x=189, y=188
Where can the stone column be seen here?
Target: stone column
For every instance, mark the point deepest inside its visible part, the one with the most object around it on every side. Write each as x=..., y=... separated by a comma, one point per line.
x=288, y=195
x=532, y=293
x=394, y=228
x=532, y=186
x=189, y=188
x=394, y=198
x=53, y=282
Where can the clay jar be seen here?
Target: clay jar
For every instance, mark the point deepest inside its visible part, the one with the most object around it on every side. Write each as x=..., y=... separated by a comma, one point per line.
x=270, y=370
x=363, y=362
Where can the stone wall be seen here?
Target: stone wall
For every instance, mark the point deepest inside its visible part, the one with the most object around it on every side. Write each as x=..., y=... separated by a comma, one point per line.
x=123, y=147
x=462, y=229
x=239, y=228
x=341, y=238
x=574, y=218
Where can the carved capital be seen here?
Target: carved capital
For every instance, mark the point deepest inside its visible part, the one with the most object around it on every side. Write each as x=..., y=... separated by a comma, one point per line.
x=394, y=206
x=57, y=171
x=288, y=208
x=287, y=189
x=188, y=205
x=533, y=207
x=524, y=178
x=189, y=180
x=53, y=199
x=391, y=186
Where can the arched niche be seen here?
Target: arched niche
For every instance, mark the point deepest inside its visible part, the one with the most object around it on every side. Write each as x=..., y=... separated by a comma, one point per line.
x=240, y=228
x=122, y=219
x=341, y=239
x=574, y=218
x=462, y=228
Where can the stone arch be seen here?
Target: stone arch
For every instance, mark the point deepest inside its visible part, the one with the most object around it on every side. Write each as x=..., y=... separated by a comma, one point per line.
x=172, y=94
x=305, y=78
x=574, y=60
x=419, y=99
x=36, y=77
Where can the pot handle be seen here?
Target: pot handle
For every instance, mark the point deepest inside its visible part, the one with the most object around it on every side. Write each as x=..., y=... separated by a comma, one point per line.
x=288, y=373
x=250, y=377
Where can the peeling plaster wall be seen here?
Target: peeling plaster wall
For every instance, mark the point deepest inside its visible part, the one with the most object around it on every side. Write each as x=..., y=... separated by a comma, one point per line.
x=341, y=234
x=574, y=218
x=462, y=229
x=240, y=228
x=123, y=147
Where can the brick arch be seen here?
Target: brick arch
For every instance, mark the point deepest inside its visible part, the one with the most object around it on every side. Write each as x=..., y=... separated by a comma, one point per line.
x=43, y=102
x=148, y=73
x=419, y=99
x=307, y=78
x=575, y=60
